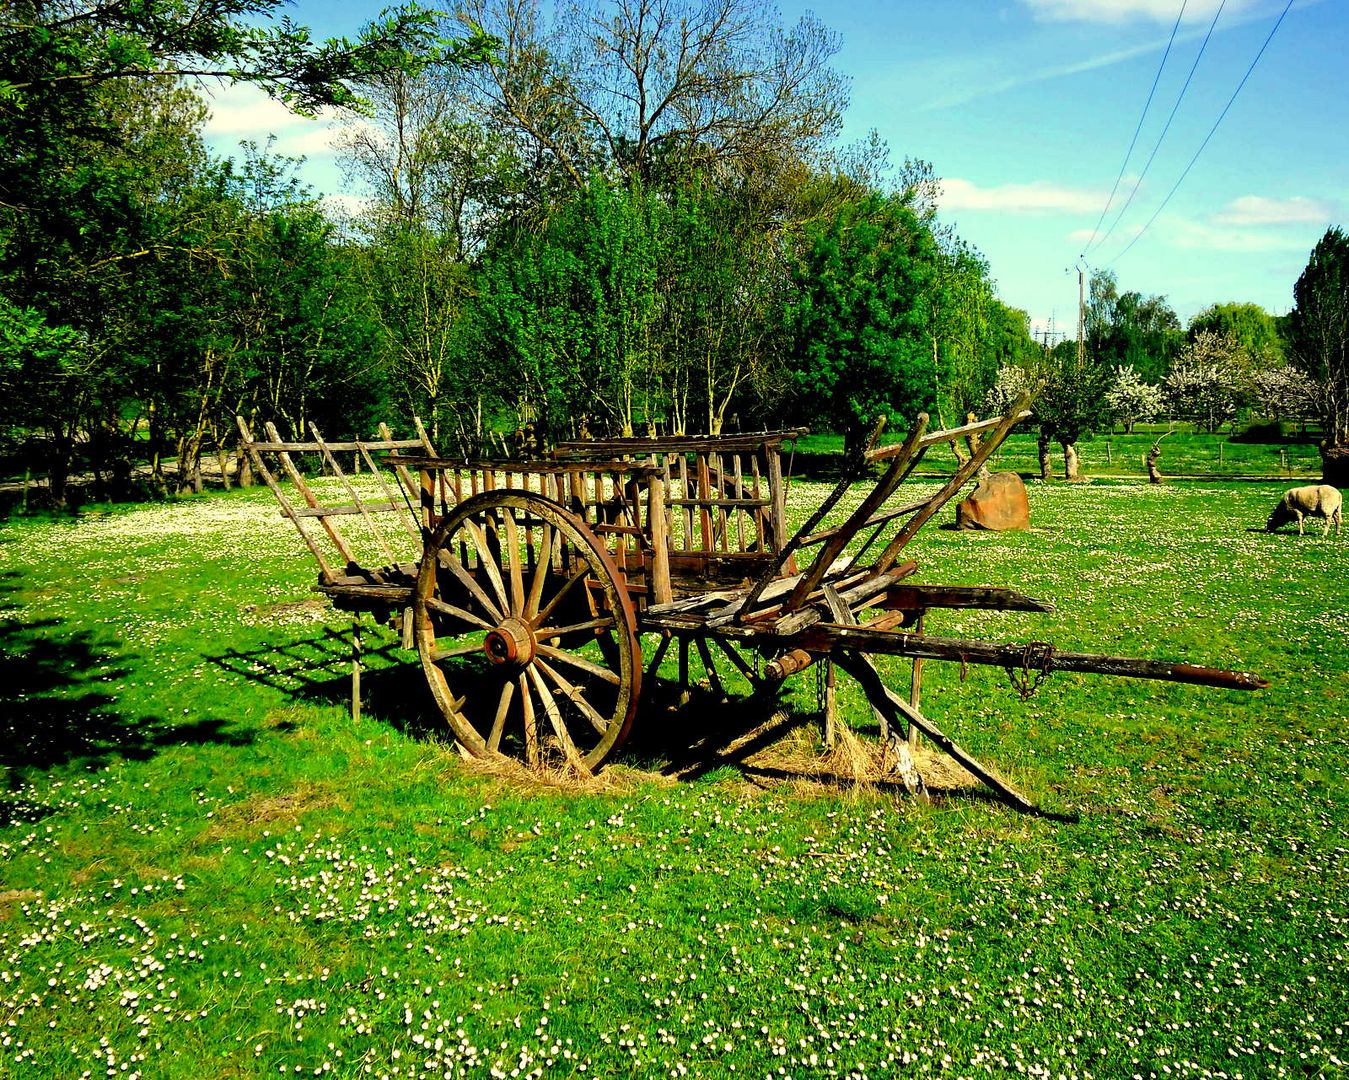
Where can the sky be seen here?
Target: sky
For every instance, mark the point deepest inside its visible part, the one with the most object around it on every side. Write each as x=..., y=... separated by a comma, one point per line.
x=1027, y=110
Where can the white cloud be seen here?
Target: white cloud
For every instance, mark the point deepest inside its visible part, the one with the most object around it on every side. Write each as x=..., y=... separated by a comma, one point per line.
x=1118, y=11
x=242, y=111
x=1039, y=197
x=1253, y=210
x=1211, y=236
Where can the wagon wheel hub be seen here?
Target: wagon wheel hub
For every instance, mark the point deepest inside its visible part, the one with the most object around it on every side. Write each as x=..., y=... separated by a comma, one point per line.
x=510, y=643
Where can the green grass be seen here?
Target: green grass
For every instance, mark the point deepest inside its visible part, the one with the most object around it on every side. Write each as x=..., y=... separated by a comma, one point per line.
x=206, y=869
x=1185, y=453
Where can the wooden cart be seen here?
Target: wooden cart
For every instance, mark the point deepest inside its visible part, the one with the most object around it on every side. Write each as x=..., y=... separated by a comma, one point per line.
x=540, y=595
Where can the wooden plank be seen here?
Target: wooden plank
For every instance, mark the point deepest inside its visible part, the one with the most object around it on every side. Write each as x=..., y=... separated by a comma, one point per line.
x=356, y=499
x=899, y=468
x=1014, y=416
x=297, y=478
x=662, y=590
x=776, y=492
x=919, y=597
x=825, y=637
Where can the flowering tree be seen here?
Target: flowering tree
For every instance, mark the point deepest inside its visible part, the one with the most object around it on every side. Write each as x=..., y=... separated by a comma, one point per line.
x=1205, y=383
x=1131, y=399
x=1284, y=392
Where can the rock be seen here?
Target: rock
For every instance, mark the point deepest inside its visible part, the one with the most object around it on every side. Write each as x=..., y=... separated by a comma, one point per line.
x=999, y=503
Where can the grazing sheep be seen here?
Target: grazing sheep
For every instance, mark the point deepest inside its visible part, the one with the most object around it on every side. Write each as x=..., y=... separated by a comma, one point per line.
x=1315, y=500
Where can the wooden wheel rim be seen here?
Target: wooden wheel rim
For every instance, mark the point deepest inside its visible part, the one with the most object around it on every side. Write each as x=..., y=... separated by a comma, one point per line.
x=543, y=688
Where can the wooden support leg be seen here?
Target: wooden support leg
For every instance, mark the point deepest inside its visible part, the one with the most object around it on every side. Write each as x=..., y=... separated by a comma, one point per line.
x=683, y=671
x=841, y=613
x=356, y=667
x=830, y=702
x=916, y=687
x=864, y=671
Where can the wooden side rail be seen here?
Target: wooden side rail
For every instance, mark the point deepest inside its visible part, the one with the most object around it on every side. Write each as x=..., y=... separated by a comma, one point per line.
x=373, y=556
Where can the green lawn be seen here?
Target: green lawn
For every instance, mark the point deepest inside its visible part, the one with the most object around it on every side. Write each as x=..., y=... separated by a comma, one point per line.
x=207, y=870
x=1185, y=453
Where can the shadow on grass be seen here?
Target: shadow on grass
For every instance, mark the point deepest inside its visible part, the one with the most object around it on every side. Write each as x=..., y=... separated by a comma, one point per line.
x=688, y=735
x=317, y=668
x=57, y=708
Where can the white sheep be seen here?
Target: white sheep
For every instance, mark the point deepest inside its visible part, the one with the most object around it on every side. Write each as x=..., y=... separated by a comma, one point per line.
x=1314, y=500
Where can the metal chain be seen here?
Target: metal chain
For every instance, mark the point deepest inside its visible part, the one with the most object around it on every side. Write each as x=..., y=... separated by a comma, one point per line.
x=1029, y=669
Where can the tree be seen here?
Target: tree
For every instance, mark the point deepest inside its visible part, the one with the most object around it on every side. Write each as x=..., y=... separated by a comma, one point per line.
x=656, y=89
x=1253, y=328
x=1205, y=384
x=859, y=321
x=1074, y=402
x=1130, y=329
x=1285, y=393
x=1319, y=329
x=1131, y=399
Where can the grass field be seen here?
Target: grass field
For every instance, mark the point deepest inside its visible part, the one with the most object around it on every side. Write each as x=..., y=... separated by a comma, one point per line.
x=207, y=870
x=1185, y=453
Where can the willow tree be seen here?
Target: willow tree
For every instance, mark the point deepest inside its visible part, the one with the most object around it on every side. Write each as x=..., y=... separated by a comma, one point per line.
x=1319, y=324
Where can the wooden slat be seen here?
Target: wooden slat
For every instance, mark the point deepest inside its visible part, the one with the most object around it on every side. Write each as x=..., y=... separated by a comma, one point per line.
x=899, y=468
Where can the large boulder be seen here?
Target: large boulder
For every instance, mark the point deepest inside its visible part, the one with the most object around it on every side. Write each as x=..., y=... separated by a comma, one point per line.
x=999, y=503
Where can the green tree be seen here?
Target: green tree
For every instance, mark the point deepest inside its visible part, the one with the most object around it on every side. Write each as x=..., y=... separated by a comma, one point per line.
x=1252, y=327
x=1319, y=331
x=1130, y=329
x=859, y=321
x=568, y=314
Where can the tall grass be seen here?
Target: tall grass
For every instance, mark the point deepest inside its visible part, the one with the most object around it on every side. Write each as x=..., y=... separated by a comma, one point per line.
x=206, y=869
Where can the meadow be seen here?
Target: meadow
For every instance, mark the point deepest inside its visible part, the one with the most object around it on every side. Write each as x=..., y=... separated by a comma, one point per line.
x=208, y=870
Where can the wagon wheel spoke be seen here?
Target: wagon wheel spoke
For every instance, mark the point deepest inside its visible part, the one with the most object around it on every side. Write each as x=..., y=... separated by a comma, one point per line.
x=437, y=604
x=576, y=695
x=447, y=561
x=588, y=666
x=559, y=725
x=499, y=720
x=531, y=724
x=522, y=663
x=469, y=648
x=514, y=559
x=574, y=628
x=541, y=570
x=487, y=560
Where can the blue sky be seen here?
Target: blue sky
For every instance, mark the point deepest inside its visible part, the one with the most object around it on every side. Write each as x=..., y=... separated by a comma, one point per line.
x=1026, y=109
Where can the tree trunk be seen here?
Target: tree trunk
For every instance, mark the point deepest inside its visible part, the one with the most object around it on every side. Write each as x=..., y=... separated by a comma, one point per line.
x=1335, y=466
x=1046, y=458
x=1154, y=473
x=1071, y=469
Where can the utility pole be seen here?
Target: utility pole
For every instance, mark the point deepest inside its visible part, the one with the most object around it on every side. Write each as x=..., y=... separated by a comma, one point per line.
x=1081, y=316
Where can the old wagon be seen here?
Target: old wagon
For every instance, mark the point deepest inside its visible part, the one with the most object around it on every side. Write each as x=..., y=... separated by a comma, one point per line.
x=541, y=595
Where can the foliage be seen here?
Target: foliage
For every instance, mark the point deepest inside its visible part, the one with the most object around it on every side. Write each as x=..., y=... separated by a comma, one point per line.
x=1074, y=402
x=570, y=322
x=1319, y=328
x=859, y=320
x=1206, y=382
x=656, y=90
x=1285, y=392
x=1254, y=329
x=1129, y=329
x=53, y=53
x=1131, y=399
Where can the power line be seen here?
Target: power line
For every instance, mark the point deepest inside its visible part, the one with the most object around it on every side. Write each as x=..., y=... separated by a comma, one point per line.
x=1183, y=175
x=1138, y=128
x=1167, y=127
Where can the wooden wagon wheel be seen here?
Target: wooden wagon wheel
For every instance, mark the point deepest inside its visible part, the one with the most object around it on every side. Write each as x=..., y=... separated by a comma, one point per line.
x=526, y=635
